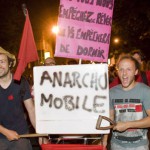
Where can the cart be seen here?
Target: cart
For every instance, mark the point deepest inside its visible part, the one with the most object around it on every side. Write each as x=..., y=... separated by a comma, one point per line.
x=71, y=147
x=80, y=143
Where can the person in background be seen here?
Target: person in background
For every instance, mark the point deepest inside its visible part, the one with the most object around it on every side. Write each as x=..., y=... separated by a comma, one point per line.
x=49, y=61
x=140, y=57
x=71, y=62
x=148, y=65
x=129, y=108
x=112, y=73
x=142, y=76
x=13, y=95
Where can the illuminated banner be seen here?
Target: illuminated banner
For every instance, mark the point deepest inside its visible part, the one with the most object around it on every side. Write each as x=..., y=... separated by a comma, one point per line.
x=84, y=29
x=69, y=99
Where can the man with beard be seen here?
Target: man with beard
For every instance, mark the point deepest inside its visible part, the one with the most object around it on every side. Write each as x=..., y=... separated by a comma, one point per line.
x=13, y=95
x=129, y=108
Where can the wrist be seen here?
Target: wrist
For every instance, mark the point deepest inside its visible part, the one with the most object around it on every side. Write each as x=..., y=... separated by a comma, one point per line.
x=128, y=125
x=4, y=131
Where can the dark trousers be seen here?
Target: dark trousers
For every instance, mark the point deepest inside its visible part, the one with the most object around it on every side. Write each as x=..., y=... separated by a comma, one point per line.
x=21, y=144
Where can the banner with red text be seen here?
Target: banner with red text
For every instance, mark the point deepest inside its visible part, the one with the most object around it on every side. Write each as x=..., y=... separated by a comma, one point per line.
x=84, y=29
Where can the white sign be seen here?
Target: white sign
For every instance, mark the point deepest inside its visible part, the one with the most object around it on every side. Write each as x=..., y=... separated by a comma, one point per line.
x=69, y=99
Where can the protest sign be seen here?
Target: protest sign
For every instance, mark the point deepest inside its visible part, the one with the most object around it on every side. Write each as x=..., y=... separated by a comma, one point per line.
x=84, y=29
x=69, y=99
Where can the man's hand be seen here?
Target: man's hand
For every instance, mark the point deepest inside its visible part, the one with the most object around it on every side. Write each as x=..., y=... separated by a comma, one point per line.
x=11, y=135
x=121, y=126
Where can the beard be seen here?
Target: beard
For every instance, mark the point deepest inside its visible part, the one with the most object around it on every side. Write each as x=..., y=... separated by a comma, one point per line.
x=4, y=74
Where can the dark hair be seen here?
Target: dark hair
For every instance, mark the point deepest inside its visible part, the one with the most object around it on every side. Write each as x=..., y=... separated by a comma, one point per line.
x=138, y=51
x=72, y=62
x=11, y=62
x=137, y=65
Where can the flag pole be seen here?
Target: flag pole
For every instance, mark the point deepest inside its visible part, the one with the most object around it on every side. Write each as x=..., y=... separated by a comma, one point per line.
x=24, y=9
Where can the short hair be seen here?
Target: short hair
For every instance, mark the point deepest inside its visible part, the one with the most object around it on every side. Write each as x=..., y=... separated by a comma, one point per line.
x=11, y=62
x=52, y=61
x=72, y=62
x=137, y=65
x=11, y=57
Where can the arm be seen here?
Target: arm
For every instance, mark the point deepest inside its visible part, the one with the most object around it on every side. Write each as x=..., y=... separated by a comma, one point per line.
x=10, y=134
x=29, y=105
x=143, y=123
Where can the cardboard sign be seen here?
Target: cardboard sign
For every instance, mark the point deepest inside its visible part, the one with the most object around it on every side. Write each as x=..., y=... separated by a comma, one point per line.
x=69, y=99
x=84, y=29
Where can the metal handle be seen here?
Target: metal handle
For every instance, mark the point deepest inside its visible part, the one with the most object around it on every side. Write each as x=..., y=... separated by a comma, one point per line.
x=100, y=120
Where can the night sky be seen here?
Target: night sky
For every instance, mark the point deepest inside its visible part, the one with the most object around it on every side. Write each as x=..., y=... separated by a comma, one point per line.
x=43, y=14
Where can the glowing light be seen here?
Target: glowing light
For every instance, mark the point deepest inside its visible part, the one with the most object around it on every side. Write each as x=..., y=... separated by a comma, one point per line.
x=116, y=40
x=108, y=61
x=46, y=54
x=55, y=29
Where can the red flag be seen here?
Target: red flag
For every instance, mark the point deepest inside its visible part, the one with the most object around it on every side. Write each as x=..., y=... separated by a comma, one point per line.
x=27, y=52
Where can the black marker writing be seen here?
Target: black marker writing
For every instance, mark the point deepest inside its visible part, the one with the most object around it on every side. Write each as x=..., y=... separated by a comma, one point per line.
x=75, y=14
x=105, y=3
x=90, y=51
x=75, y=79
x=92, y=35
x=71, y=103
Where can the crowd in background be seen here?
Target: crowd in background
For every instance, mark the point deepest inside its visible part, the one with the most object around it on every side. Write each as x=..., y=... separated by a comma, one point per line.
x=139, y=56
x=112, y=70
x=142, y=76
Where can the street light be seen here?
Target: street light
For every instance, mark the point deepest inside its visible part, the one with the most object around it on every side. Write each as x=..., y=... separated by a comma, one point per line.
x=46, y=55
x=116, y=40
x=55, y=29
